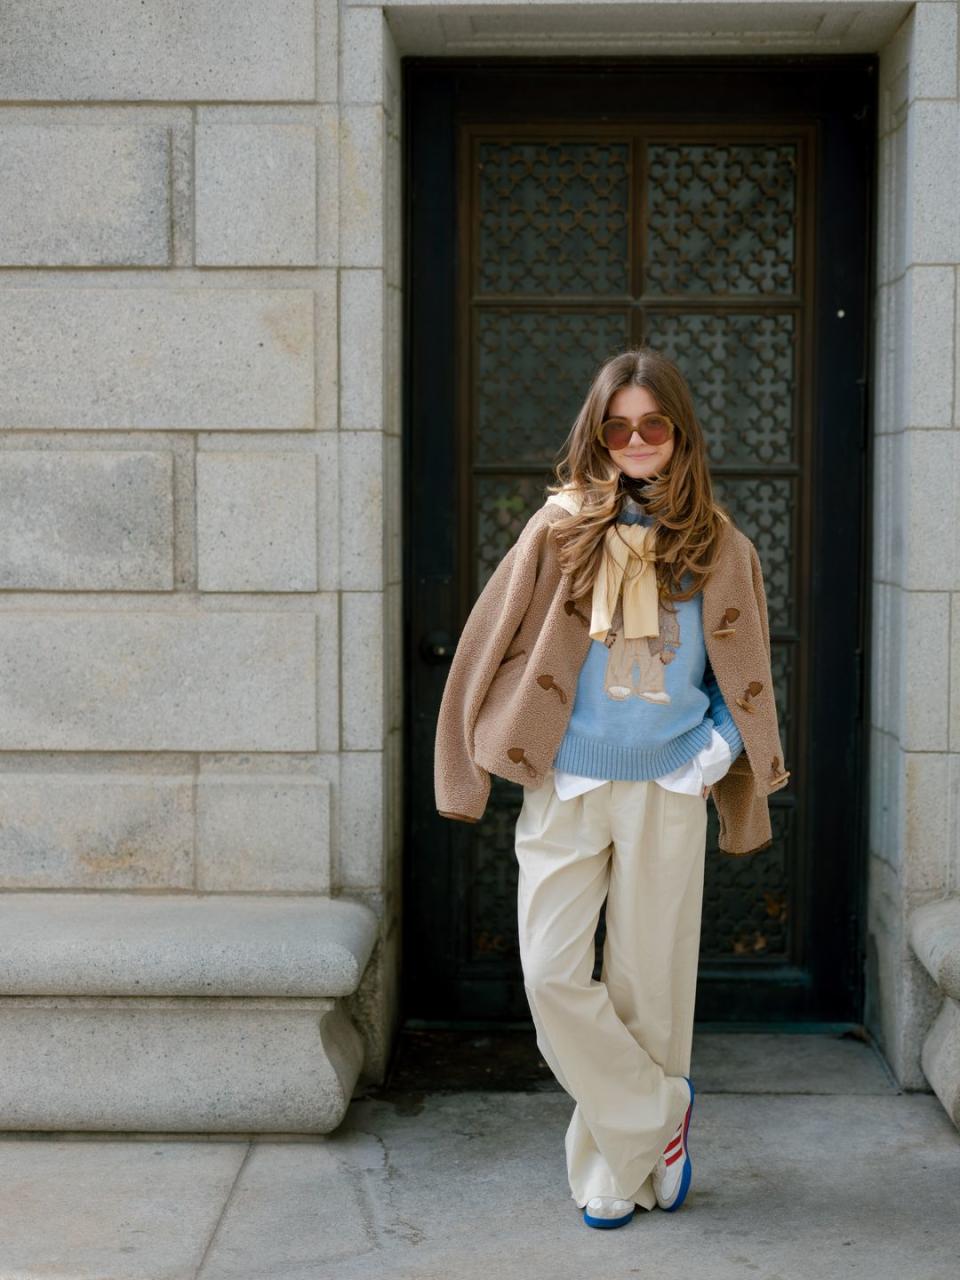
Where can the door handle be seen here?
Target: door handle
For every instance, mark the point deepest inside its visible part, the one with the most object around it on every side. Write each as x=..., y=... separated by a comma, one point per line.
x=437, y=647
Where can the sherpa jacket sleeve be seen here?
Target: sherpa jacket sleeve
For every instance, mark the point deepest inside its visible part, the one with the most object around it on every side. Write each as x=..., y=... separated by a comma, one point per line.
x=720, y=713
x=461, y=786
x=760, y=593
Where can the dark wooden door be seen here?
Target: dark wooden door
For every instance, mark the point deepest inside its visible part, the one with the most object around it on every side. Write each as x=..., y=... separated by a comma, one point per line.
x=722, y=212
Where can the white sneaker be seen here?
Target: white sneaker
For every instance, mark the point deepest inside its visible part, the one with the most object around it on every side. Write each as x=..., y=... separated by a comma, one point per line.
x=607, y=1211
x=673, y=1171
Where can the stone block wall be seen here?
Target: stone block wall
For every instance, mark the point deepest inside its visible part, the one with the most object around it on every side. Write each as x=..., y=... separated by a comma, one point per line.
x=914, y=848
x=200, y=455
x=200, y=560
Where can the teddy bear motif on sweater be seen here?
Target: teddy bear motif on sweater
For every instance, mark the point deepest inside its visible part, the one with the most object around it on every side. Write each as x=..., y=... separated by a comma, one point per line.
x=648, y=655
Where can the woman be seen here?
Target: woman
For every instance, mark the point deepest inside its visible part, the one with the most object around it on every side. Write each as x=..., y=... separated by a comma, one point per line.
x=617, y=665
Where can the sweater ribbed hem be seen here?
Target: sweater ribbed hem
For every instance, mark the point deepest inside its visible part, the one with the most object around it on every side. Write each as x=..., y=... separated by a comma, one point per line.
x=730, y=734
x=596, y=758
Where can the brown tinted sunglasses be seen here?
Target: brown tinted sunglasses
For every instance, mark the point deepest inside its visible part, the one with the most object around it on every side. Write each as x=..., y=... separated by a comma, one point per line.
x=654, y=428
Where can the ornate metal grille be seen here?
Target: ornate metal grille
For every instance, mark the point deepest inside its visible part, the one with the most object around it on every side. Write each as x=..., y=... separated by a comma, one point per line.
x=579, y=244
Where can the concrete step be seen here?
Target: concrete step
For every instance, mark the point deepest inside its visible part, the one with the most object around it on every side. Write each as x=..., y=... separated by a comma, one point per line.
x=179, y=1012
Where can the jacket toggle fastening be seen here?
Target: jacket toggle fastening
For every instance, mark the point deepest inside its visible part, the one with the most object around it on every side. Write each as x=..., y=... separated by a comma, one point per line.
x=518, y=756
x=571, y=611
x=729, y=616
x=778, y=774
x=548, y=682
x=751, y=691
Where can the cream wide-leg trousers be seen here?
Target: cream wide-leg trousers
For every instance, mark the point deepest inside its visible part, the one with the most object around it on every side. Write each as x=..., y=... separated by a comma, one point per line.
x=620, y=1046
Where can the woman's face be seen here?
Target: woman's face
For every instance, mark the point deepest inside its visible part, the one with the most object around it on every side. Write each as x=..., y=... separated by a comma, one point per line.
x=638, y=459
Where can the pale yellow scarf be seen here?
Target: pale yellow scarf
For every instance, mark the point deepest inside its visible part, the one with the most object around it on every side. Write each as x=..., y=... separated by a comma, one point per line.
x=628, y=562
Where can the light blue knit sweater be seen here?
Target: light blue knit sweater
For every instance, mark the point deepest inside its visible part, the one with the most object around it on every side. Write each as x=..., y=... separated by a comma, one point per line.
x=636, y=738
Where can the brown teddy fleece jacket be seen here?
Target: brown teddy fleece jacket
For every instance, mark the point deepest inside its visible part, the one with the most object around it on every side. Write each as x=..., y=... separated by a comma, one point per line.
x=509, y=692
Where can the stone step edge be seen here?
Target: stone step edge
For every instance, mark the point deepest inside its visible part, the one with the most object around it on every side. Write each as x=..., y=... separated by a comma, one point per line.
x=61, y=943
x=934, y=933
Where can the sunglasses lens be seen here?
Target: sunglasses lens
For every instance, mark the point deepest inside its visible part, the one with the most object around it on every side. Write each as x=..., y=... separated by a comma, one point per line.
x=616, y=435
x=654, y=429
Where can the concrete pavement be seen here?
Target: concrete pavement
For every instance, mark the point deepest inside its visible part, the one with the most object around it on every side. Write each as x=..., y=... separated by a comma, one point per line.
x=809, y=1164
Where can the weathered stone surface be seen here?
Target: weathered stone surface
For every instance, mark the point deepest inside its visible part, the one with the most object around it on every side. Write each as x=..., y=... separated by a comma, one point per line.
x=188, y=359
x=158, y=681
x=267, y=831
x=362, y=692
x=256, y=195
x=206, y=50
x=935, y=938
x=940, y=1056
x=361, y=813
x=362, y=186
x=257, y=521
x=96, y=830
x=84, y=195
x=362, y=515
x=195, y=1065
x=94, y=520
x=363, y=373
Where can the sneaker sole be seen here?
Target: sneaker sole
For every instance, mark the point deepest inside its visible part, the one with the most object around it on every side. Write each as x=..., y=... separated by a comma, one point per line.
x=604, y=1223
x=687, y=1174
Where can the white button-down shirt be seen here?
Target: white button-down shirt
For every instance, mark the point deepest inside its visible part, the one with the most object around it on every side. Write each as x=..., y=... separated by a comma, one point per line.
x=703, y=770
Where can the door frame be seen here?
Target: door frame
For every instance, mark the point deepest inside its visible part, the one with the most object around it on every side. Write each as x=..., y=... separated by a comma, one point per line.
x=841, y=90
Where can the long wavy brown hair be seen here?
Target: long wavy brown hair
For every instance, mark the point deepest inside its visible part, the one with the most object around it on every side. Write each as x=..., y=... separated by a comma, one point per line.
x=680, y=499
